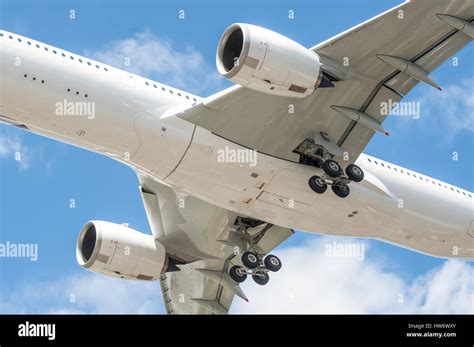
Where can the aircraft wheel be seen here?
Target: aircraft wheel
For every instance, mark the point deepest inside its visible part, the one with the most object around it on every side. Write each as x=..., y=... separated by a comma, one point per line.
x=250, y=260
x=332, y=168
x=261, y=277
x=354, y=173
x=317, y=184
x=272, y=263
x=341, y=190
x=238, y=273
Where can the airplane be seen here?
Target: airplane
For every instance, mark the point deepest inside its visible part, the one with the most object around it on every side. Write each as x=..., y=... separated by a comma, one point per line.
x=226, y=178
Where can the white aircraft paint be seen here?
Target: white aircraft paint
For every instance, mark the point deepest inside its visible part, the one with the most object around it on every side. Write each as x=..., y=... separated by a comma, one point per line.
x=132, y=123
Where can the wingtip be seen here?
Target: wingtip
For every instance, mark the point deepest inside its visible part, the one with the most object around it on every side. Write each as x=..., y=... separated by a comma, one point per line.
x=387, y=133
x=440, y=89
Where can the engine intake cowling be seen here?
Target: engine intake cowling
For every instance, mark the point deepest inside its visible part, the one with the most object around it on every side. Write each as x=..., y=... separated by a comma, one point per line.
x=116, y=250
x=266, y=61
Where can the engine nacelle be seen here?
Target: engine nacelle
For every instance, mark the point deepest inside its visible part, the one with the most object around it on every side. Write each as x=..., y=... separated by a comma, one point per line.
x=116, y=250
x=266, y=61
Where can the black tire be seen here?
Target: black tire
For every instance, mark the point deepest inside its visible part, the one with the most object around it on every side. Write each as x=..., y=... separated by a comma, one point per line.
x=340, y=190
x=237, y=273
x=250, y=260
x=317, y=185
x=261, y=278
x=332, y=168
x=272, y=263
x=354, y=173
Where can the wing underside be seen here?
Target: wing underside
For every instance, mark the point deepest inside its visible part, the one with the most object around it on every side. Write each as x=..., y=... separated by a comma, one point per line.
x=275, y=125
x=204, y=241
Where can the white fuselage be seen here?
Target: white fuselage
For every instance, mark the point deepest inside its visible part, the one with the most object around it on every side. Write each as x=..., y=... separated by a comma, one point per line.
x=94, y=106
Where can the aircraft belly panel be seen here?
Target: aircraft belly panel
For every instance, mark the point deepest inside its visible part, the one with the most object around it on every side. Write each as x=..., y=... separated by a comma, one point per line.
x=163, y=142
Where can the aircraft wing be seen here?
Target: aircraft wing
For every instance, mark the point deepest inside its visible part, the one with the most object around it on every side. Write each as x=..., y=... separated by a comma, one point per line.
x=365, y=80
x=203, y=240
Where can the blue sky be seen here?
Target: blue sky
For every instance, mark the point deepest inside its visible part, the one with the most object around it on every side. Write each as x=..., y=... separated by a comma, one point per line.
x=36, y=192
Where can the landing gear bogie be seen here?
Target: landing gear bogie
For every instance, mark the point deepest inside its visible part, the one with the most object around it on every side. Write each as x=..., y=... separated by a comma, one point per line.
x=335, y=177
x=254, y=261
x=259, y=267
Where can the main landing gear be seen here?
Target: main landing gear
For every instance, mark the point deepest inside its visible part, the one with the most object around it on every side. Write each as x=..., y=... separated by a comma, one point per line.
x=256, y=265
x=320, y=152
x=336, y=178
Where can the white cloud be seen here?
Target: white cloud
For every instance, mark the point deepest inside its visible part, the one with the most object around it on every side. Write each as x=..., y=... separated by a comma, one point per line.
x=311, y=282
x=12, y=147
x=84, y=293
x=148, y=55
x=446, y=112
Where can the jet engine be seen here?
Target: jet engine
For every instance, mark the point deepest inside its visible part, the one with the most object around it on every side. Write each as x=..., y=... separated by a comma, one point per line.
x=116, y=250
x=263, y=60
